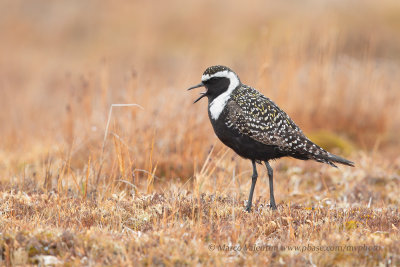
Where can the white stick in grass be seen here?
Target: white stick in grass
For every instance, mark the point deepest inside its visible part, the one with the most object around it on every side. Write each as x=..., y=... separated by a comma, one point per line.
x=106, y=133
x=109, y=119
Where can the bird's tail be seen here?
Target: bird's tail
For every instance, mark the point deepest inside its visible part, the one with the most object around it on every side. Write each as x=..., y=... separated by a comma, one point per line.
x=321, y=155
x=309, y=150
x=333, y=158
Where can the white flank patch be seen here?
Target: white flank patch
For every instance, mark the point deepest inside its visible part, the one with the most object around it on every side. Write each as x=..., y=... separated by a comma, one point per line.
x=218, y=104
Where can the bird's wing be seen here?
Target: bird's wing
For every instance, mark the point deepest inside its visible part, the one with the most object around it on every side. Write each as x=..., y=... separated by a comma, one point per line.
x=256, y=116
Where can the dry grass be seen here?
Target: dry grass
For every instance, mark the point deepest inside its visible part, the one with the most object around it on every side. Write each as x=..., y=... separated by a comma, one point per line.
x=164, y=191
x=351, y=213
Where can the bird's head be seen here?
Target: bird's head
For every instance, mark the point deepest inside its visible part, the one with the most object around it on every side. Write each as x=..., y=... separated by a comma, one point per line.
x=217, y=80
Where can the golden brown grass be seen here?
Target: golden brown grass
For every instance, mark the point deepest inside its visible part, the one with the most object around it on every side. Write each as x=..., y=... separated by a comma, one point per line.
x=351, y=213
x=164, y=191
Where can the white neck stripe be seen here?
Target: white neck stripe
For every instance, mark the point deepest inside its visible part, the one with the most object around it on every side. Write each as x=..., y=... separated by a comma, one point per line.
x=218, y=104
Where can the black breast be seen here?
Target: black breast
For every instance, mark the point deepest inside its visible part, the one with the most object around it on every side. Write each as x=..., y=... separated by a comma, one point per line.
x=243, y=145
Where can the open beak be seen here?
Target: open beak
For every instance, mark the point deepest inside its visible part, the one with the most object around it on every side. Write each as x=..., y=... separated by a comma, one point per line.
x=196, y=86
x=202, y=94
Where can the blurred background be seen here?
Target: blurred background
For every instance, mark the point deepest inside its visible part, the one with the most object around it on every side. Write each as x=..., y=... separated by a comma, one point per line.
x=333, y=66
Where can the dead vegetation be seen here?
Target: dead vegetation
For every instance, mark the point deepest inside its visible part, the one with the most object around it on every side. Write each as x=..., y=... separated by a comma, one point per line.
x=179, y=226
x=164, y=191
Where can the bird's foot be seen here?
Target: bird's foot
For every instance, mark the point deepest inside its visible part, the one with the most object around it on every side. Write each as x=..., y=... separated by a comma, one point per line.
x=248, y=208
x=273, y=206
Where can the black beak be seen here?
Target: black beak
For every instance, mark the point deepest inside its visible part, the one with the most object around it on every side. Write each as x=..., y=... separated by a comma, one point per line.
x=196, y=86
x=202, y=94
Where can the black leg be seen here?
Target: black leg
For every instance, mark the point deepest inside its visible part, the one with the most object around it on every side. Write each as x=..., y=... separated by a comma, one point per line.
x=253, y=185
x=271, y=185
